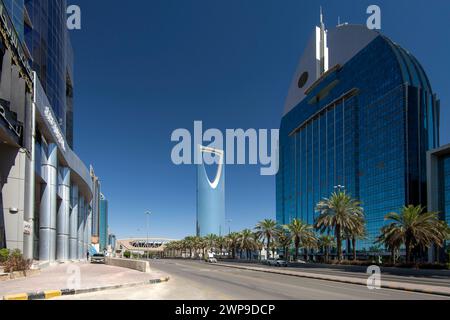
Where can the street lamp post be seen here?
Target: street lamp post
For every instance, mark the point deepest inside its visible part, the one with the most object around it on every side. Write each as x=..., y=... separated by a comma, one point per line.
x=146, y=245
x=229, y=226
x=138, y=230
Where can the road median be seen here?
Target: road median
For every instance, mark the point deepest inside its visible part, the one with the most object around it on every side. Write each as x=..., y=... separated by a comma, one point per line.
x=411, y=287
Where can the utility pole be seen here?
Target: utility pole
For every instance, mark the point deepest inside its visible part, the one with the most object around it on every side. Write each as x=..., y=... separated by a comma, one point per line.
x=147, y=244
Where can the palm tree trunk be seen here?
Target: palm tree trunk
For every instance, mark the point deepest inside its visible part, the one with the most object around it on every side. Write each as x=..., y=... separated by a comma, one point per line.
x=268, y=246
x=354, y=248
x=408, y=251
x=348, y=249
x=296, y=250
x=339, y=242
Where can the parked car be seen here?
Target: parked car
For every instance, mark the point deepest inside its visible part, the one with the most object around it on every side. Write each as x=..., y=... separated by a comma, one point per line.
x=276, y=263
x=301, y=261
x=98, y=258
x=281, y=263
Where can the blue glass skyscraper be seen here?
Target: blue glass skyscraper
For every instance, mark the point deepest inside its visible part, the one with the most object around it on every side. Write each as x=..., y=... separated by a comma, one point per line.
x=360, y=113
x=16, y=12
x=52, y=191
x=211, y=197
x=50, y=46
x=438, y=165
x=103, y=223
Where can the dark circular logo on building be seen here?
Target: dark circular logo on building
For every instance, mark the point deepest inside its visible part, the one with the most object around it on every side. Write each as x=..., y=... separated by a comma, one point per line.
x=303, y=79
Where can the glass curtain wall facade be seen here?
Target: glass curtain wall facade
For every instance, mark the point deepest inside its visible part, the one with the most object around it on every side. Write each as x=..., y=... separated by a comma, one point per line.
x=16, y=12
x=112, y=242
x=438, y=175
x=103, y=223
x=96, y=186
x=365, y=125
x=50, y=47
x=444, y=187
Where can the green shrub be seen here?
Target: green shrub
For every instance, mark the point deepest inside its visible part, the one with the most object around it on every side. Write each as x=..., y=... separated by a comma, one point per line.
x=432, y=266
x=422, y=266
x=127, y=254
x=352, y=263
x=4, y=254
x=16, y=262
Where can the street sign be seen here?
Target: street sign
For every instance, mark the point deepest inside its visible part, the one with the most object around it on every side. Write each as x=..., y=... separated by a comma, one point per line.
x=27, y=227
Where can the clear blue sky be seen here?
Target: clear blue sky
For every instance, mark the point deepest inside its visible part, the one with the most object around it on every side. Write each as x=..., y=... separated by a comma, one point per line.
x=145, y=68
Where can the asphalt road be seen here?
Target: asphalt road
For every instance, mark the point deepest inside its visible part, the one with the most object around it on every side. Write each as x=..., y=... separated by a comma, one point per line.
x=194, y=280
x=440, y=278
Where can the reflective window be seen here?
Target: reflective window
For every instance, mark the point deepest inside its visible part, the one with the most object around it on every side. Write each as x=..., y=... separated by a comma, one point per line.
x=360, y=142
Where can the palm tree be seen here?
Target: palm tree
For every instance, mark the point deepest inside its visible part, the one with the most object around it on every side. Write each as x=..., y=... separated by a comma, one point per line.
x=391, y=240
x=301, y=234
x=338, y=213
x=415, y=228
x=189, y=243
x=327, y=243
x=259, y=245
x=220, y=243
x=232, y=242
x=274, y=245
x=308, y=243
x=178, y=247
x=246, y=242
x=285, y=241
x=211, y=240
x=197, y=244
x=358, y=233
x=267, y=229
x=202, y=246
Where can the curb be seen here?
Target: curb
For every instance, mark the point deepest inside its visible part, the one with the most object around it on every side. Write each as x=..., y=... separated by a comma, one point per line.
x=50, y=294
x=384, y=284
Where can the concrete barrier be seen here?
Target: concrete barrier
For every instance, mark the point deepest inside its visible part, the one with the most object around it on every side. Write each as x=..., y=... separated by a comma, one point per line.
x=142, y=266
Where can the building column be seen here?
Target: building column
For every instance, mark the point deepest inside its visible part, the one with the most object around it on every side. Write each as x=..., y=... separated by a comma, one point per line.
x=63, y=222
x=47, y=220
x=29, y=215
x=81, y=228
x=73, y=232
x=88, y=228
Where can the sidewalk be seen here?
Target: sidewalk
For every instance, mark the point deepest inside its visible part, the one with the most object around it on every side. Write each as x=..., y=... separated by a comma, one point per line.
x=429, y=289
x=61, y=277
